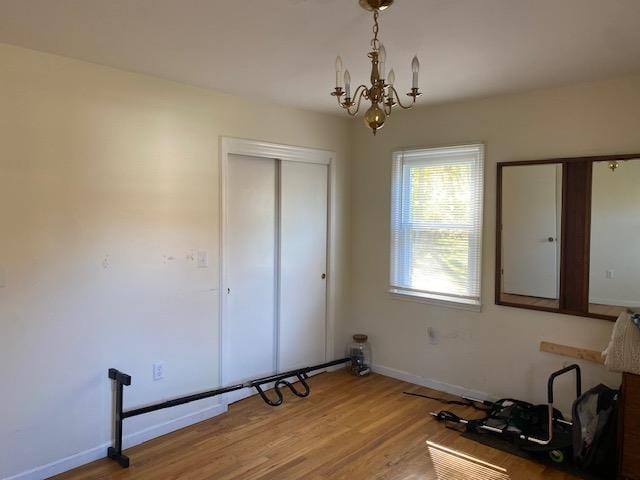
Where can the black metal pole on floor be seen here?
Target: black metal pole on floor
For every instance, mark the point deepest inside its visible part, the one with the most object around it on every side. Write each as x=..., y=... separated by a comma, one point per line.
x=122, y=379
x=115, y=452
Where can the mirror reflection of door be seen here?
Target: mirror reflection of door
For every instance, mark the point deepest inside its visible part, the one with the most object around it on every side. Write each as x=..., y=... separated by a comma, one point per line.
x=614, y=275
x=531, y=219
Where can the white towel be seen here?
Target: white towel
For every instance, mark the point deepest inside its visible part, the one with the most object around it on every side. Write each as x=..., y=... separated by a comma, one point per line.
x=623, y=352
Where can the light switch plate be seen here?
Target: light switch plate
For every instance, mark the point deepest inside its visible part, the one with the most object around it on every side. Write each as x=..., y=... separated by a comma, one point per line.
x=203, y=259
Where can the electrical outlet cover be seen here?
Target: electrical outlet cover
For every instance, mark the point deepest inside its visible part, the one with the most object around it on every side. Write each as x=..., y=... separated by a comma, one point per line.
x=158, y=370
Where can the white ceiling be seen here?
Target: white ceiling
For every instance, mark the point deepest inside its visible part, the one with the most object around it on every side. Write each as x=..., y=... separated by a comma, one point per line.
x=283, y=50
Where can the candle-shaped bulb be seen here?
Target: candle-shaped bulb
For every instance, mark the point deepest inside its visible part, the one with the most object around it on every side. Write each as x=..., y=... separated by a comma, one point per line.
x=392, y=77
x=338, y=72
x=415, y=67
x=382, y=54
x=382, y=58
x=347, y=83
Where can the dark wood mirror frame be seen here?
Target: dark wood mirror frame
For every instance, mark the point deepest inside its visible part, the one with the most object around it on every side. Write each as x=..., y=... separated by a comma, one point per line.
x=575, y=238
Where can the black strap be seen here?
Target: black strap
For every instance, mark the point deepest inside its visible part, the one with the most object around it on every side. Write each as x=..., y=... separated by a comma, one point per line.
x=463, y=402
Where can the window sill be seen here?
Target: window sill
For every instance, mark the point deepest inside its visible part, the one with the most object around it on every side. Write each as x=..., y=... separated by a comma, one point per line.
x=437, y=300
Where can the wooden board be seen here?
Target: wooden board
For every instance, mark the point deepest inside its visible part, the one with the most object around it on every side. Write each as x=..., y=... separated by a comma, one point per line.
x=573, y=352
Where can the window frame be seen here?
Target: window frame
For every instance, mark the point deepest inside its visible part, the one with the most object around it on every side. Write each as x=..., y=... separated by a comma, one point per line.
x=400, y=210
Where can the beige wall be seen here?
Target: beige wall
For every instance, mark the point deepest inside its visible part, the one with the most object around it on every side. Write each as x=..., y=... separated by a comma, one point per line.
x=108, y=183
x=495, y=351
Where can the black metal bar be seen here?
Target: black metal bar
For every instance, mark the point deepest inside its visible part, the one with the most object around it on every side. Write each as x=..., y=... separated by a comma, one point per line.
x=267, y=400
x=332, y=363
x=121, y=379
x=295, y=373
x=562, y=371
x=182, y=400
x=118, y=376
x=307, y=390
x=280, y=379
x=115, y=452
x=293, y=389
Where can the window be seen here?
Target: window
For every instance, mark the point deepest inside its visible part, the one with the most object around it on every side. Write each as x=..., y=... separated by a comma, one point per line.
x=436, y=224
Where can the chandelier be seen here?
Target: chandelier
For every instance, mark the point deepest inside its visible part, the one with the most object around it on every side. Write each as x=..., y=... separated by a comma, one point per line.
x=382, y=93
x=614, y=165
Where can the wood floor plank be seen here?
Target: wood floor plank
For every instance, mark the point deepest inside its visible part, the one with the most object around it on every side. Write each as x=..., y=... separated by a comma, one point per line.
x=349, y=428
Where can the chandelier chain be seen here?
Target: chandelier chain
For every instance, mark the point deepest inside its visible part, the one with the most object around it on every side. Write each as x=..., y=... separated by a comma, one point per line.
x=375, y=43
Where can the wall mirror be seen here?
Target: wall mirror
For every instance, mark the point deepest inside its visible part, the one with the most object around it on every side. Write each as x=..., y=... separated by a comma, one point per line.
x=568, y=235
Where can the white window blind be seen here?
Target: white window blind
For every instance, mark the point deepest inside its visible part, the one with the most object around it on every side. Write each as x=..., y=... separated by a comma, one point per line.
x=436, y=224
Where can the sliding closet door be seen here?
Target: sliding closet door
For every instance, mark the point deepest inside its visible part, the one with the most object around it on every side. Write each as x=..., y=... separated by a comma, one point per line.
x=303, y=263
x=249, y=329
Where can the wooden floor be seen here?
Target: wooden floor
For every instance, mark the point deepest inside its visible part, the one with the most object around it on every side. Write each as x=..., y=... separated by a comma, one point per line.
x=349, y=428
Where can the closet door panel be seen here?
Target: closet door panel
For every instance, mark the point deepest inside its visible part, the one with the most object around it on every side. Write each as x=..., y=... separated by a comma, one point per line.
x=249, y=328
x=303, y=263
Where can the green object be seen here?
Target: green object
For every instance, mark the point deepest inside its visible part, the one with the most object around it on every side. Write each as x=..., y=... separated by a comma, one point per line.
x=557, y=456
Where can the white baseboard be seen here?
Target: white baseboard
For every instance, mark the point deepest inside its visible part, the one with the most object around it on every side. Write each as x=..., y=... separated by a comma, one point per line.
x=431, y=383
x=130, y=440
x=335, y=368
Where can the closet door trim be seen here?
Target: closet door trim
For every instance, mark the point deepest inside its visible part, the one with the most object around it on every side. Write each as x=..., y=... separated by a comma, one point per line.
x=256, y=148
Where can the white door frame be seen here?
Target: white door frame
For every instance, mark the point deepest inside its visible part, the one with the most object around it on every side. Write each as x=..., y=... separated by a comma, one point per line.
x=254, y=148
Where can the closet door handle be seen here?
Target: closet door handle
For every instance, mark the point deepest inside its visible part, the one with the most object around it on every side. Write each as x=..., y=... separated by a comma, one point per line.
x=323, y=276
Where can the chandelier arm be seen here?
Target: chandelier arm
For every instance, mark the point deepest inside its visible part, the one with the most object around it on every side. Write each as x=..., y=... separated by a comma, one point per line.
x=388, y=107
x=351, y=100
x=406, y=107
x=357, y=100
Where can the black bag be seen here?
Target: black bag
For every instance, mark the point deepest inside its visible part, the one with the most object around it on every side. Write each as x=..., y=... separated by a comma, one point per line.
x=594, y=430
